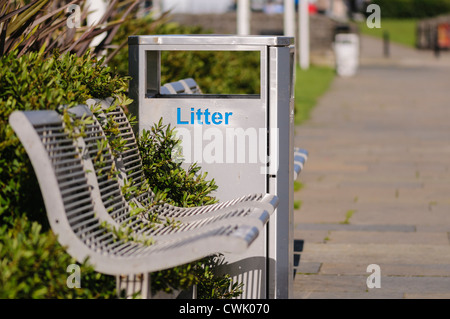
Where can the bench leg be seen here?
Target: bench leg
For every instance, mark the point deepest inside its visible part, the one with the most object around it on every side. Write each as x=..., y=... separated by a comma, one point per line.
x=132, y=286
x=139, y=286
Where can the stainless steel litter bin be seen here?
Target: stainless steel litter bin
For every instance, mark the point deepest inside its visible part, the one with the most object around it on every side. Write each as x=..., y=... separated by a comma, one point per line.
x=243, y=141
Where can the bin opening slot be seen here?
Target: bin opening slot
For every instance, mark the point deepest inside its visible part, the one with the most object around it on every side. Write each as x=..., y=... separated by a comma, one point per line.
x=206, y=74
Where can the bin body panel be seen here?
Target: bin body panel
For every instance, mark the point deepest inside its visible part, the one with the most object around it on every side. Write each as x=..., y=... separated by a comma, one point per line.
x=232, y=152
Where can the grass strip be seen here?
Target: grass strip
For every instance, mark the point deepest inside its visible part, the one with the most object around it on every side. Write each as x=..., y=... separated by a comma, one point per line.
x=310, y=85
x=401, y=31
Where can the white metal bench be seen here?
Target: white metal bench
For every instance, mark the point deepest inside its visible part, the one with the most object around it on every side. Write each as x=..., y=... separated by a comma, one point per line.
x=186, y=86
x=87, y=209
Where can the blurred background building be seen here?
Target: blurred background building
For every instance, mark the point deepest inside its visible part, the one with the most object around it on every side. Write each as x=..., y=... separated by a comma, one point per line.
x=266, y=18
x=339, y=9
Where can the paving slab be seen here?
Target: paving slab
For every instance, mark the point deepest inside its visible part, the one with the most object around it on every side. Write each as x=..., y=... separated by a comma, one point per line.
x=376, y=253
x=351, y=228
x=356, y=286
x=387, y=237
x=386, y=269
x=427, y=296
x=311, y=236
x=366, y=295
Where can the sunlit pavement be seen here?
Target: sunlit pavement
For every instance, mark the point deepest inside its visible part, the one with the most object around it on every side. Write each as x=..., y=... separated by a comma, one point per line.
x=374, y=220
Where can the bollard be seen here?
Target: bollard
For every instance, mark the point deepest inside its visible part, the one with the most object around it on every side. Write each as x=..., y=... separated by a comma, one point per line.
x=386, y=44
x=346, y=49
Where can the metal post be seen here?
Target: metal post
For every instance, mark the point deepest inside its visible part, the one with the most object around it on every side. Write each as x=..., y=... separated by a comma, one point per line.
x=243, y=17
x=303, y=17
x=289, y=18
x=386, y=46
x=132, y=286
x=281, y=178
x=437, y=48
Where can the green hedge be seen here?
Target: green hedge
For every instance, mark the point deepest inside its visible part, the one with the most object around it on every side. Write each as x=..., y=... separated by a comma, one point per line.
x=412, y=8
x=32, y=263
x=34, y=83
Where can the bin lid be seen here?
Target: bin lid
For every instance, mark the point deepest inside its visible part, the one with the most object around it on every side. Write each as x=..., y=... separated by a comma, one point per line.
x=208, y=39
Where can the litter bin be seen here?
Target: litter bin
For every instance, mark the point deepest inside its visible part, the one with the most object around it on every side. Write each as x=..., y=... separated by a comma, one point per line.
x=346, y=49
x=243, y=141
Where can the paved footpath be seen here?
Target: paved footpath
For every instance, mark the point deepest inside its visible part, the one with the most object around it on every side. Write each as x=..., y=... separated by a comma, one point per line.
x=377, y=181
